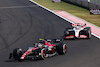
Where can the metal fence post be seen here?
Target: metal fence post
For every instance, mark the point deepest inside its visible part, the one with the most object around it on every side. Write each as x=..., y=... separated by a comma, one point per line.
x=88, y=3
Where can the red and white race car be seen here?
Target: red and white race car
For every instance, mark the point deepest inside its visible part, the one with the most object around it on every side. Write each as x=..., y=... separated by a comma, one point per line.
x=45, y=48
x=78, y=30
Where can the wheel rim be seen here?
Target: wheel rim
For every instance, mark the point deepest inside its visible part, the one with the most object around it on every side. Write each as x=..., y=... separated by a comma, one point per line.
x=44, y=53
x=64, y=49
x=53, y=50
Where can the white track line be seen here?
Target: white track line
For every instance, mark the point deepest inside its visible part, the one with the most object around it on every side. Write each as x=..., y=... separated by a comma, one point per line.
x=10, y=7
x=63, y=17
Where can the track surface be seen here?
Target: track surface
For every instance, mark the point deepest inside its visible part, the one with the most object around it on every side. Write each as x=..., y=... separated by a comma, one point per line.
x=23, y=25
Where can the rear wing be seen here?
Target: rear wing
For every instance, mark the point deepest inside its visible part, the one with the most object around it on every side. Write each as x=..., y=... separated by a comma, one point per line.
x=79, y=24
x=55, y=40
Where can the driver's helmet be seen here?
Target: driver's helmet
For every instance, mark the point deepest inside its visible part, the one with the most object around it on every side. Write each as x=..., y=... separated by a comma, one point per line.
x=40, y=45
x=42, y=41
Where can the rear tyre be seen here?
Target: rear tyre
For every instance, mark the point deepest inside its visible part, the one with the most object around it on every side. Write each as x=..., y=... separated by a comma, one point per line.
x=61, y=49
x=17, y=53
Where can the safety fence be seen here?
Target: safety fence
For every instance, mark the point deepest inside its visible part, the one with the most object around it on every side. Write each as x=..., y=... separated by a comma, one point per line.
x=89, y=4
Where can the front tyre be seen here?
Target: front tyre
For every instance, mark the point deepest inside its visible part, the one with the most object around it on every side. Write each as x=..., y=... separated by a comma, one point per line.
x=88, y=32
x=17, y=53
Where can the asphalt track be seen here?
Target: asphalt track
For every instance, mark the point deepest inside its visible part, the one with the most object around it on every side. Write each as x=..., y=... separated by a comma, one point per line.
x=22, y=23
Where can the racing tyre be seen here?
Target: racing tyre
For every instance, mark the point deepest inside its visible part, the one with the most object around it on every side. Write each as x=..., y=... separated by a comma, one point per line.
x=68, y=33
x=42, y=54
x=17, y=53
x=88, y=33
x=61, y=49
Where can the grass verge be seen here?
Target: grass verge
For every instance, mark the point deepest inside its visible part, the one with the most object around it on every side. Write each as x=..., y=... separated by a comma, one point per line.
x=72, y=9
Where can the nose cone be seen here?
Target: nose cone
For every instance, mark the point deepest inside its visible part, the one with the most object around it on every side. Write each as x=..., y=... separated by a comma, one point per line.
x=77, y=33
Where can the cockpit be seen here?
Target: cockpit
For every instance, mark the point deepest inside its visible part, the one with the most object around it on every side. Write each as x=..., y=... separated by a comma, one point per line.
x=40, y=45
x=77, y=26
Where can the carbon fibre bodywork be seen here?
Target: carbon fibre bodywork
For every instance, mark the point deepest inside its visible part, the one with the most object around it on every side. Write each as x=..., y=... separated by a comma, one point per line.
x=40, y=50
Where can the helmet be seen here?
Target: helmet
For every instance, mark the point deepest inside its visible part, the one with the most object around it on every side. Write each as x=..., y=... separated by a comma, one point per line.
x=40, y=45
x=42, y=42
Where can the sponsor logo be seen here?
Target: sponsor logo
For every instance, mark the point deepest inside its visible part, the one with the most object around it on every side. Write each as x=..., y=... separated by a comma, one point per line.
x=71, y=36
x=94, y=11
x=83, y=36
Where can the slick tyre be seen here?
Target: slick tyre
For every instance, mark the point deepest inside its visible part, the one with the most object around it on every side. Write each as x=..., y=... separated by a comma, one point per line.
x=66, y=32
x=61, y=49
x=17, y=53
x=88, y=33
x=42, y=54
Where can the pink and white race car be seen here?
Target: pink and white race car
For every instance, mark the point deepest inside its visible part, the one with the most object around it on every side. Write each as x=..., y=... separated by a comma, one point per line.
x=45, y=48
x=78, y=30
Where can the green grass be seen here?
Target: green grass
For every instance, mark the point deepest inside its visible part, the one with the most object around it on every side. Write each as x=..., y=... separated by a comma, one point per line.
x=74, y=10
